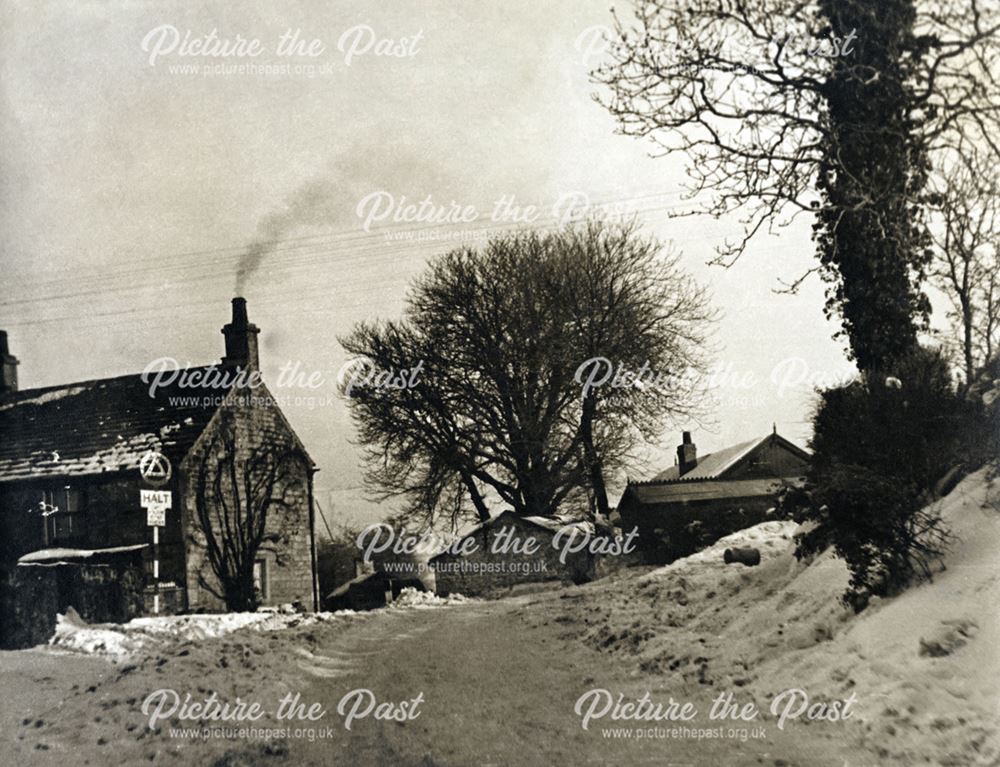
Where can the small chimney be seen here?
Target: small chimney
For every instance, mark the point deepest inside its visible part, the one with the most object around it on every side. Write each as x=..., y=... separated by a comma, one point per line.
x=687, y=455
x=8, y=367
x=241, y=339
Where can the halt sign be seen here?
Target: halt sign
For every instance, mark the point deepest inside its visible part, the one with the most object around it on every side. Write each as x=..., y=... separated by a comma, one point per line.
x=156, y=503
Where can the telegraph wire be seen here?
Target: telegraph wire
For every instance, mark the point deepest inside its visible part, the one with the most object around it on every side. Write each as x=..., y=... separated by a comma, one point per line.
x=338, y=236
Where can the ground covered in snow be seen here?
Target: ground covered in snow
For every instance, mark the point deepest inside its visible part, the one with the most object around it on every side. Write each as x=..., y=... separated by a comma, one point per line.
x=411, y=597
x=925, y=666
x=499, y=679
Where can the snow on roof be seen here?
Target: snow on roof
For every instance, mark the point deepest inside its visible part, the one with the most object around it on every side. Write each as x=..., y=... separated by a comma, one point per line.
x=61, y=554
x=97, y=426
x=555, y=524
x=41, y=396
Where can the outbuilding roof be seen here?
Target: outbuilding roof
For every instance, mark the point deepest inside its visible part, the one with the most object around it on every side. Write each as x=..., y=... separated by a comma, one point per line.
x=679, y=492
x=715, y=465
x=60, y=555
x=550, y=525
x=716, y=476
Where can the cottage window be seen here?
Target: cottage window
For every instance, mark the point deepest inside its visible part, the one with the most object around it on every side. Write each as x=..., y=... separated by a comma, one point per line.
x=63, y=518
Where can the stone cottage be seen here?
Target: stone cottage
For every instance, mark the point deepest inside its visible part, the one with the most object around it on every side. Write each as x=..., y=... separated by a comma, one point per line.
x=75, y=460
x=702, y=498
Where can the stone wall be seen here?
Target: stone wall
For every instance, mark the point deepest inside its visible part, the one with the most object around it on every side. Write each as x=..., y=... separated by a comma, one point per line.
x=32, y=596
x=489, y=572
x=669, y=531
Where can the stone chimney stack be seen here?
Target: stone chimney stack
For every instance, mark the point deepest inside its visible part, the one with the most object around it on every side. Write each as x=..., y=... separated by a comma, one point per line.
x=687, y=455
x=241, y=339
x=8, y=367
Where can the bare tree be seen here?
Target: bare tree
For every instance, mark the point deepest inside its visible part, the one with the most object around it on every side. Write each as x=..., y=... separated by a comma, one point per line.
x=626, y=296
x=244, y=505
x=967, y=256
x=833, y=108
x=418, y=440
x=499, y=413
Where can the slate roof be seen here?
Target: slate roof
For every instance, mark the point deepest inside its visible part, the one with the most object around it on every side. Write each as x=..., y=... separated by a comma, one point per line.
x=99, y=426
x=356, y=581
x=708, y=480
x=712, y=465
x=715, y=465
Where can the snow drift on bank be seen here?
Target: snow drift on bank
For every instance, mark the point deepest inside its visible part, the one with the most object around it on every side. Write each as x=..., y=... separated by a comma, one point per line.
x=924, y=665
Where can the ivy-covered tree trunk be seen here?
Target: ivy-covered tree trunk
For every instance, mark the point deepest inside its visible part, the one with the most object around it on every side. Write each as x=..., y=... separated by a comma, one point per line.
x=837, y=108
x=872, y=239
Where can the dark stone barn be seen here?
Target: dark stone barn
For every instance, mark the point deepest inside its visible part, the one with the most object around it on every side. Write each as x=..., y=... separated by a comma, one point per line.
x=72, y=530
x=369, y=591
x=493, y=567
x=700, y=499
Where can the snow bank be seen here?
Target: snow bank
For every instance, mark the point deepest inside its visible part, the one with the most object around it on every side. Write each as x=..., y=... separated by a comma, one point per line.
x=411, y=597
x=149, y=634
x=142, y=635
x=770, y=538
x=924, y=665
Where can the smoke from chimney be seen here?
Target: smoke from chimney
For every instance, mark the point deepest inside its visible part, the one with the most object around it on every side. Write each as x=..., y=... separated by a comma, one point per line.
x=330, y=199
x=309, y=205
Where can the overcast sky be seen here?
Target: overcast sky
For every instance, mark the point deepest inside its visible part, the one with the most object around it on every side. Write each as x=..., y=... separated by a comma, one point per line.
x=132, y=189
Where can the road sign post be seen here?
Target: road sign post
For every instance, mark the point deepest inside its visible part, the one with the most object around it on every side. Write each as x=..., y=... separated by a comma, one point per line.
x=156, y=503
x=156, y=569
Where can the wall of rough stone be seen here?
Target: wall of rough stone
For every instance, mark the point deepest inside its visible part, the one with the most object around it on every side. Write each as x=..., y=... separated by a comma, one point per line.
x=32, y=596
x=289, y=562
x=669, y=531
x=488, y=571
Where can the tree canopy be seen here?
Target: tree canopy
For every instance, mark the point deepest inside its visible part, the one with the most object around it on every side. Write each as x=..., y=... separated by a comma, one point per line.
x=505, y=337
x=835, y=108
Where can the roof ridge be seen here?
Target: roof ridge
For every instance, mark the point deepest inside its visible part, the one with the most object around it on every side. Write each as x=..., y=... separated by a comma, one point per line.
x=738, y=451
x=14, y=395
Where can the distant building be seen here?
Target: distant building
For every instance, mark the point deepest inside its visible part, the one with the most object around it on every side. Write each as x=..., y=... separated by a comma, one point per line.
x=369, y=591
x=700, y=499
x=72, y=531
x=493, y=566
